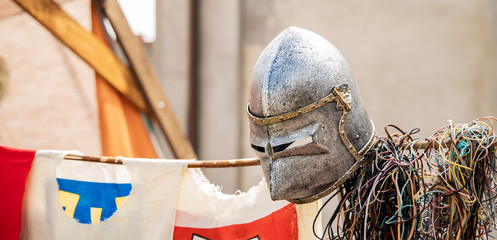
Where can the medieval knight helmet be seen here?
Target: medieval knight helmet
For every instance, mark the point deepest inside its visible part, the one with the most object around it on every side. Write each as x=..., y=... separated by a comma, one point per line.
x=307, y=121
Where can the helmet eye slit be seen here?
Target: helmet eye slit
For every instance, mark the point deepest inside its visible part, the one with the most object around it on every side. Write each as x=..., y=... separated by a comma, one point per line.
x=283, y=147
x=258, y=148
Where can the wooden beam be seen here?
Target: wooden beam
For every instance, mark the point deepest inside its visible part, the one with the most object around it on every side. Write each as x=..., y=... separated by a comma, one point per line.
x=86, y=46
x=149, y=81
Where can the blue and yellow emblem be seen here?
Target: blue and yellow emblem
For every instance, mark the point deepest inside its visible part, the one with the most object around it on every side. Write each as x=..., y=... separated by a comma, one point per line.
x=91, y=202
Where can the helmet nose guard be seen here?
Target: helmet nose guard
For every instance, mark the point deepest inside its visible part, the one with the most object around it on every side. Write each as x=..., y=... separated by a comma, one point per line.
x=296, y=77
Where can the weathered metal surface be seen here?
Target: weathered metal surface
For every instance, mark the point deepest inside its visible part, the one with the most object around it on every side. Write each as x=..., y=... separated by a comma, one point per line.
x=297, y=69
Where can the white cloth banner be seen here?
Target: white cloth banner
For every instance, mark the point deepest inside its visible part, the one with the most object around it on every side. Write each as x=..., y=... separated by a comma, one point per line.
x=82, y=200
x=203, y=212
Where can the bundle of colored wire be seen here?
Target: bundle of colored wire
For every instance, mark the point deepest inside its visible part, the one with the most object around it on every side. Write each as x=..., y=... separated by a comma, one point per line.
x=462, y=181
x=434, y=193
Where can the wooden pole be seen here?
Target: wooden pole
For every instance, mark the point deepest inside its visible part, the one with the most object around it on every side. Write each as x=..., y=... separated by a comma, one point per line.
x=191, y=164
x=149, y=81
x=193, y=91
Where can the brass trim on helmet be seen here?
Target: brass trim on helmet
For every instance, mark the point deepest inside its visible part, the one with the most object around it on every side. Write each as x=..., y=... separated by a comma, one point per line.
x=338, y=93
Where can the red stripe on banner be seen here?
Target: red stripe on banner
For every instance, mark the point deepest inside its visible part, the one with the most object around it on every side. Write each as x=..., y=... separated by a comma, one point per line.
x=14, y=167
x=281, y=224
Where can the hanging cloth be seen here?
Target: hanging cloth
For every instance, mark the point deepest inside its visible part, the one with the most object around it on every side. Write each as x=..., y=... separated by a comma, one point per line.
x=204, y=212
x=86, y=200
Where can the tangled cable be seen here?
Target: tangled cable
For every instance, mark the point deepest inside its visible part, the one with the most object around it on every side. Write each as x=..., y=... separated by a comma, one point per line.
x=444, y=191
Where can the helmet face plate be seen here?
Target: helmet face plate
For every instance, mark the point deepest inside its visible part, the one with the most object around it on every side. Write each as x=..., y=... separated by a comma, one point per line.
x=303, y=156
x=295, y=155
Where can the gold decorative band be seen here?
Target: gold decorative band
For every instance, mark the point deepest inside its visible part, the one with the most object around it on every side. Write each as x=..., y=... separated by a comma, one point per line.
x=338, y=92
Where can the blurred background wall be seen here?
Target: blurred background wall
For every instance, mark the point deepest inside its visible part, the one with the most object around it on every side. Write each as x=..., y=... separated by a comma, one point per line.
x=417, y=64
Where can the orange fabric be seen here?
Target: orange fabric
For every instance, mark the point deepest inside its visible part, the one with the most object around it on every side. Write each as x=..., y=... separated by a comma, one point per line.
x=122, y=130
